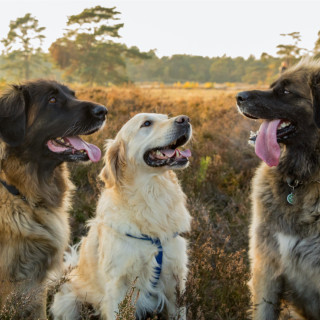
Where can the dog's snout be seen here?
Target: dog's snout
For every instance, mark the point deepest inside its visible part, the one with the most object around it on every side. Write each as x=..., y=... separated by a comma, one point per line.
x=242, y=96
x=99, y=112
x=182, y=120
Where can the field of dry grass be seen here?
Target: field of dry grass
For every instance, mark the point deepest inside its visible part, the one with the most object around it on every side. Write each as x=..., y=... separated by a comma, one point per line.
x=217, y=184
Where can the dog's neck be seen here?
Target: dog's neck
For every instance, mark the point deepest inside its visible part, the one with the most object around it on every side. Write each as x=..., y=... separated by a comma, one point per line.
x=154, y=204
x=302, y=163
x=38, y=185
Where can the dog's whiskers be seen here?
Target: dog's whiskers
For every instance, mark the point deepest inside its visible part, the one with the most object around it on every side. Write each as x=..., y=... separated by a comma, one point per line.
x=72, y=129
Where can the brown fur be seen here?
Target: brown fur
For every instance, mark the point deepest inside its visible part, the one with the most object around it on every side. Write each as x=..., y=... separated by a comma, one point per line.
x=34, y=233
x=285, y=238
x=34, y=228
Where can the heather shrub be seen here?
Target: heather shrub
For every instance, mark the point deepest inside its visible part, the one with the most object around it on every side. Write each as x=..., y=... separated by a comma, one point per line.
x=217, y=184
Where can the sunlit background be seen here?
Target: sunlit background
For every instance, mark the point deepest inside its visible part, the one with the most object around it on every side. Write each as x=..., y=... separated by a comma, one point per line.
x=173, y=57
x=206, y=29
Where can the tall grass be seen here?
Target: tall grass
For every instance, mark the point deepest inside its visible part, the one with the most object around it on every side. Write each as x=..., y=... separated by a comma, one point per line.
x=217, y=184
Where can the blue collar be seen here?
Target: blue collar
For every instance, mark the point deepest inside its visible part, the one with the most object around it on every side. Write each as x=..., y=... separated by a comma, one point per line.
x=159, y=256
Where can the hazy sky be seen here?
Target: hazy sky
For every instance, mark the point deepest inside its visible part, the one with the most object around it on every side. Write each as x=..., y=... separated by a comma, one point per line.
x=198, y=27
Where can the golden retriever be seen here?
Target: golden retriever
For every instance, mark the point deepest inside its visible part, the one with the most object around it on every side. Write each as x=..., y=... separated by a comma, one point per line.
x=136, y=233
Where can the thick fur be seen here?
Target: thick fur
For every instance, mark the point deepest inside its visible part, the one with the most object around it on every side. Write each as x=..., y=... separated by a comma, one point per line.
x=285, y=238
x=34, y=228
x=137, y=199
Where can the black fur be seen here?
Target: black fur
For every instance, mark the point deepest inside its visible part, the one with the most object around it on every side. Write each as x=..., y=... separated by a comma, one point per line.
x=315, y=89
x=12, y=117
x=28, y=120
x=299, y=102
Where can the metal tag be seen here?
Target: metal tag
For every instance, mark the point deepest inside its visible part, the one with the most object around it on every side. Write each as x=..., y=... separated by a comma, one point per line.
x=290, y=198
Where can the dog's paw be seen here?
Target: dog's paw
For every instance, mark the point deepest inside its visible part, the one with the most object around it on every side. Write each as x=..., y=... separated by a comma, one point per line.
x=286, y=243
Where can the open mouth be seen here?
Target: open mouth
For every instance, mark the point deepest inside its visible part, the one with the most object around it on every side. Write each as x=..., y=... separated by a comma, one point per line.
x=284, y=130
x=266, y=140
x=169, y=155
x=74, y=148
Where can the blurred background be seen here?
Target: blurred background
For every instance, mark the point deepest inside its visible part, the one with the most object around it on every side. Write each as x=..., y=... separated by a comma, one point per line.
x=174, y=57
x=176, y=43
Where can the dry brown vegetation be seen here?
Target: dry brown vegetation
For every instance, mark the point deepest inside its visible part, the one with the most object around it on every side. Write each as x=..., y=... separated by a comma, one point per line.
x=217, y=184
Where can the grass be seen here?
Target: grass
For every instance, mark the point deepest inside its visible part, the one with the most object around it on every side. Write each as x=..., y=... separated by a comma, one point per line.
x=217, y=184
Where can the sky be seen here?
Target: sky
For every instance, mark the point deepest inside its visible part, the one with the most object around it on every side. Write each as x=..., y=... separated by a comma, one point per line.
x=197, y=27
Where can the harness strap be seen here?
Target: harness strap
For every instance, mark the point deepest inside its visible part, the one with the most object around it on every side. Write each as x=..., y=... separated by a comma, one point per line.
x=159, y=256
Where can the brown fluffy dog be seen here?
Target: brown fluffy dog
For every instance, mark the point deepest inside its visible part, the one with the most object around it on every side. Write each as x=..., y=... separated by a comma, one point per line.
x=285, y=228
x=39, y=124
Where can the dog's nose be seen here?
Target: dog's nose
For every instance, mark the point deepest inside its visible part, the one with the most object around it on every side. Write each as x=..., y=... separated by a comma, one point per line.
x=182, y=120
x=242, y=96
x=99, y=112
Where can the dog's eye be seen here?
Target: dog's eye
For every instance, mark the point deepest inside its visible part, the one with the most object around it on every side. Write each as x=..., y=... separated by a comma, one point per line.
x=286, y=91
x=52, y=100
x=146, y=124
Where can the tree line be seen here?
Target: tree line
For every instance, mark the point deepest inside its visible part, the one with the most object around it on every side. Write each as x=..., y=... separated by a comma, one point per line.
x=90, y=52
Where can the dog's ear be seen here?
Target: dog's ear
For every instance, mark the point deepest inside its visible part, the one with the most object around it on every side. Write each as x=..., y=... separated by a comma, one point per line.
x=114, y=162
x=315, y=94
x=13, y=116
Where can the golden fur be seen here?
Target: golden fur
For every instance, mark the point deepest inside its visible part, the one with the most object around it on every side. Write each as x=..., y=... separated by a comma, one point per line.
x=137, y=199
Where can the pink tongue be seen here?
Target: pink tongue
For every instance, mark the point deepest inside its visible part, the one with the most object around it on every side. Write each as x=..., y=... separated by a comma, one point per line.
x=94, y=153
x=186, y=153
x=170, y=153
x=266, y=146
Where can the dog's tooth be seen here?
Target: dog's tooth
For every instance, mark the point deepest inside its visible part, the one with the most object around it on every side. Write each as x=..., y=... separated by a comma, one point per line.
x=177, y=153
x=285, y=124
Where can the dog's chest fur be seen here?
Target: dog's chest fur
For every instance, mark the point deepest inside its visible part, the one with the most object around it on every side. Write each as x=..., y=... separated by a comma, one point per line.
x=32, y=236
x=288, y=236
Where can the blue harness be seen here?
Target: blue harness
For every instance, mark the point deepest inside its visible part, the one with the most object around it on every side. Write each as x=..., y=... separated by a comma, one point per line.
x=159, y=256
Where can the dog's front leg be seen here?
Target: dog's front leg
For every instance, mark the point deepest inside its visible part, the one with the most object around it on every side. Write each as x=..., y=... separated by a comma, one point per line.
x=114, y=294
x=174, y=309
x=265, y=288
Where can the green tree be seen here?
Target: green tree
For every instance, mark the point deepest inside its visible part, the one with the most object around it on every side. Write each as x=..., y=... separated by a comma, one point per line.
x=23, y=45
x=291, y=52
x=316, y=50
x=86, y=51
